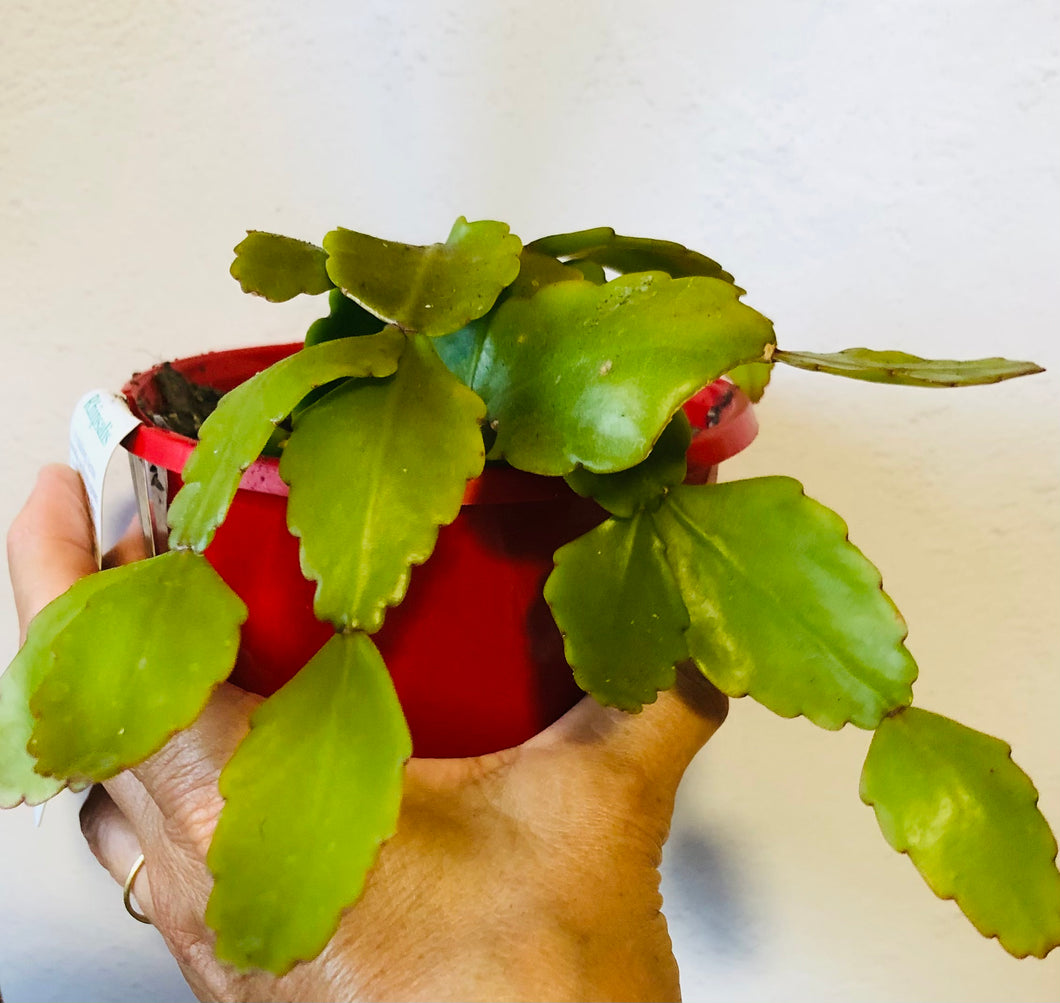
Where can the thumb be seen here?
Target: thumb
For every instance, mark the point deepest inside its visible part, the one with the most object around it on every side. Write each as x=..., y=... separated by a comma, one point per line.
x=666, y=735
x=660, y=741
x=49, y=545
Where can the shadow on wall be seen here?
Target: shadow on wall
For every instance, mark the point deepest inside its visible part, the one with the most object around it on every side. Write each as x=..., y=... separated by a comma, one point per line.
x=705, y=897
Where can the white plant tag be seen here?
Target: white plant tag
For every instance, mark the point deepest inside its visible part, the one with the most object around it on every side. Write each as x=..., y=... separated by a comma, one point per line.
x=99, y=423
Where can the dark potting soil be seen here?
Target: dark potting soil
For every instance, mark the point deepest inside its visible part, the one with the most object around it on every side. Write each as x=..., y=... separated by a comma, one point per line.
x=182, y=405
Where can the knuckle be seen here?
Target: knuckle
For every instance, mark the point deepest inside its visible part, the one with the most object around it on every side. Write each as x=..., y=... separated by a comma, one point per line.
x=189, y=943
x=193, y=825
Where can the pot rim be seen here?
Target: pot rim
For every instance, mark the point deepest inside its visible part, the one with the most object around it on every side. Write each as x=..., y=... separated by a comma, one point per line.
x=722, y=417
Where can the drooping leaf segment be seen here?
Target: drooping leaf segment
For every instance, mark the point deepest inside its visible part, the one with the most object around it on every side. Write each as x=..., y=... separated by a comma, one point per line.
x=571, y=357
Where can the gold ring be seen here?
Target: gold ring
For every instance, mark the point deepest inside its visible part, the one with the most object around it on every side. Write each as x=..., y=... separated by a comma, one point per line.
x=126, y=892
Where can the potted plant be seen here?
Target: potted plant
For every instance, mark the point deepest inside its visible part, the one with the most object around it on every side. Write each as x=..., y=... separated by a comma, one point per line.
x=568, y=370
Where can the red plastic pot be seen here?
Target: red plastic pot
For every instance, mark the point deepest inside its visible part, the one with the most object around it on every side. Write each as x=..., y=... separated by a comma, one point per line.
x=474, y=654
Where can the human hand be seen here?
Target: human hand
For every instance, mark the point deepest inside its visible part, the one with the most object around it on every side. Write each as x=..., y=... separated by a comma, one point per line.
x=526, y=874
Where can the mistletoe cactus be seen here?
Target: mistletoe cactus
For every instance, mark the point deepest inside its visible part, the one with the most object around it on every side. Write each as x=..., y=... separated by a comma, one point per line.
x=569, y=357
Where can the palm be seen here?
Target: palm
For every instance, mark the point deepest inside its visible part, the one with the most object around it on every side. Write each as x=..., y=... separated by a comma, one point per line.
x=536, y=867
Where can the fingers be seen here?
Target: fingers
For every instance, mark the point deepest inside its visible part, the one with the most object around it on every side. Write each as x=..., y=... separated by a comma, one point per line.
x=115, y=844
x=136, y=806
x=50, y=543
x=167, y=807
x=181, y=779
x=169, y=890
x=661, y=740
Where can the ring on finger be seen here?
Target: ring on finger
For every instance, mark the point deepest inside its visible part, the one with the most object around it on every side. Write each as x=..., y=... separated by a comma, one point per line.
x=127, y=891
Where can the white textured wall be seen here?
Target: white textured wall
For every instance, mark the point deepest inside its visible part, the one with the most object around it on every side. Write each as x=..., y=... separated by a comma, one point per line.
x=881, y=174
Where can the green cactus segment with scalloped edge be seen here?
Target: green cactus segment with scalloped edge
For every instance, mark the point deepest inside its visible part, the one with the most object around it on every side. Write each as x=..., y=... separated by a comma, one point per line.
x=953, y=799
x=129, y=655
x=783, y=607
x=752, y=379
x=432, y=290
x=19, y=780
x=346, y=319
x=279, y=268
x=615, y=601
x=589, y=375
x=538, y=270
x=374, y=469
x=310, y=795
x=643, y=486
x=908, y=370
x=604, y=248
x=234, y=435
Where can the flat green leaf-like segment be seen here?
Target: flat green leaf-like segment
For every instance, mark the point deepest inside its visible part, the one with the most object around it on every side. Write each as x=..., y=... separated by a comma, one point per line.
x=233, y=436
x=615, y=600
x=590, y=270
x=310, y=795
x=908, y=370
x=19, y=780
x=605, y=248
x=644, y=485
x=375, y=468
x=590, y=375
x=279, y=268
x=783, y=606
x=135, y=665
x=538, y=270
x=952, y=798
x=433, y=290
x=461, y=351
x=564, y=245
x=752, y=379
x=346, y=319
